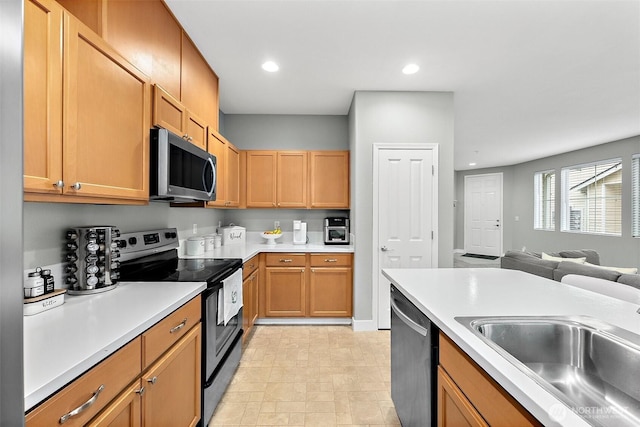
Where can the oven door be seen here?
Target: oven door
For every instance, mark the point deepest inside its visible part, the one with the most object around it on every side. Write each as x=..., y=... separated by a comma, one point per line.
x=218, y=337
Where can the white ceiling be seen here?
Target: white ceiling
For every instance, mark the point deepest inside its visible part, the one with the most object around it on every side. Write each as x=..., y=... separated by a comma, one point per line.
x=531, y=78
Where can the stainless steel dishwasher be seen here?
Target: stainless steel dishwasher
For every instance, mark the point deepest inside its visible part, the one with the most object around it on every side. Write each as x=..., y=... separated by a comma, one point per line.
x=414, y=360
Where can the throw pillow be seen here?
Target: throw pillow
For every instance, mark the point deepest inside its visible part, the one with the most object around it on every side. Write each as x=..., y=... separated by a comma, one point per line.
x=559, y=259
x=621, y=270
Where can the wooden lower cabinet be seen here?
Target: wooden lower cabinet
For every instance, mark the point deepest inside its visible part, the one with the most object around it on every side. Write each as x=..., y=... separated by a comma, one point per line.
x=308, y=285
x=285, y=292
x=120, y=392
x=250, y=275
x=454, y=409
x=172, y=385
x=124, y=411
x=468, y=396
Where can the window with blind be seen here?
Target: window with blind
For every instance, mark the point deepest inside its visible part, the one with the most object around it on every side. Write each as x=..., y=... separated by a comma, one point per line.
x=635, y=195
x=592, y=198
x=544, y=200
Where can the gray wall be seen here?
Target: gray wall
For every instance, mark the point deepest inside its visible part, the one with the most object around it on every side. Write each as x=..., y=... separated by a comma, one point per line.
x=11, y=342
x=396, y=117
x=287, y=132
x=622, y=251
x=44, y=224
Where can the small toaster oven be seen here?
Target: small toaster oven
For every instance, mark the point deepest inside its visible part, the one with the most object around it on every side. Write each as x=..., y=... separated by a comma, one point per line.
x=336, y=231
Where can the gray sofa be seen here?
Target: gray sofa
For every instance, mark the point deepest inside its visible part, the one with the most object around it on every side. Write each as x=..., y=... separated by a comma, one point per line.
x=532, y=262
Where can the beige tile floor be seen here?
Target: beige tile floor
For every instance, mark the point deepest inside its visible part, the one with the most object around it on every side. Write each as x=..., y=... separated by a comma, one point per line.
x=310, y=376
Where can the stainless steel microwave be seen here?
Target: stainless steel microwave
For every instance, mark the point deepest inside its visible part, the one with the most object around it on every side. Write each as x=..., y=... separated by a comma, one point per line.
x=180, y=171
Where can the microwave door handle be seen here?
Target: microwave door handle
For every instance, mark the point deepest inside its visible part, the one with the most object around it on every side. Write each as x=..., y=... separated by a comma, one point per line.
x=213, y=176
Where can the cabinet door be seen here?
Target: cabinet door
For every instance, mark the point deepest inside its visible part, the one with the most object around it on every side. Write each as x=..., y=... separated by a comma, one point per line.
x=255, y=277
x=233, y=176
x=168, y=112
x=285, y=292
x=217, y=146
x=454, y=410
x=196, y=130
x=330, y=292
x=106, y=104
x=329, y=179
x=199, y=84
x=247, y=306
x=42, y=96
x=261, y=179
x=172, y=385
x=148, y=36
x=292, y=179
x=124, y=411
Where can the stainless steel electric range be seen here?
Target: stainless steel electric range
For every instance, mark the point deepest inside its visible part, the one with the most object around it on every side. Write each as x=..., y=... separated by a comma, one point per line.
x=151, y=256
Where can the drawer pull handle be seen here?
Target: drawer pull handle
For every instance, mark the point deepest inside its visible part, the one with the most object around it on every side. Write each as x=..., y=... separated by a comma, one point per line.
x=86, y=405
x=330, y=260
x=178, y=327
x=286, y=260
x=152, y=380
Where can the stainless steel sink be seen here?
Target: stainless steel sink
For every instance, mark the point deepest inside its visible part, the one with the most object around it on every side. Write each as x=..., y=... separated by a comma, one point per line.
x=592, y=366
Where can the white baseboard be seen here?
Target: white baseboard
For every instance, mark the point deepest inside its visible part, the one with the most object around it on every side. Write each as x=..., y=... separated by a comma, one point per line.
x=458, y=251
x=364, y=325
x=304, y=321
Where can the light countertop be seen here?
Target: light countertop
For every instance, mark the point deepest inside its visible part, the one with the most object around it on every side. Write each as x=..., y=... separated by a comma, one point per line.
x=443, y=294
x=62, y=343
x=256, y=244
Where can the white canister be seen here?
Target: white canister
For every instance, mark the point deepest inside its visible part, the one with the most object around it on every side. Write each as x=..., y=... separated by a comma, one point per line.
x=209, y=242
x=217, y=240
x=34, y=285
x=195, y=245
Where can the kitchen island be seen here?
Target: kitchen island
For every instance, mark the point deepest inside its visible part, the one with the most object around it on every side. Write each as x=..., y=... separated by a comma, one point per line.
x=444, y=294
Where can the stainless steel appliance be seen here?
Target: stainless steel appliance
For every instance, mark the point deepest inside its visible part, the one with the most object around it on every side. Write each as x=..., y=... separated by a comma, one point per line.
x=414, y=361
x=336, y=231
x=180, y=171
x=91, y=257
x=151, y=256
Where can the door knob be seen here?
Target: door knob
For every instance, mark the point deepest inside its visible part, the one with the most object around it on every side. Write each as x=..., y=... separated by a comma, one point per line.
x=384, y=249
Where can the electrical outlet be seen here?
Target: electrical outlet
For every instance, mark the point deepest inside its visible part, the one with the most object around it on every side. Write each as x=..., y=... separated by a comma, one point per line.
x=195, y=228
x=276, y=224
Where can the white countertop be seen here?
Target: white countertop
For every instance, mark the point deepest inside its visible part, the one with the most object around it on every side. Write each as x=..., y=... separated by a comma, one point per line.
x=255, y=245
x=443, y=294
x=62, y=343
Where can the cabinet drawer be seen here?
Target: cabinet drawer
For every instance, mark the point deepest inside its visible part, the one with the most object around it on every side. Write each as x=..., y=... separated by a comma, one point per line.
x=169, y=330
x=111, y=375
x=330, y=260
x=286, y=260
x=495, y=405
x=249, y=267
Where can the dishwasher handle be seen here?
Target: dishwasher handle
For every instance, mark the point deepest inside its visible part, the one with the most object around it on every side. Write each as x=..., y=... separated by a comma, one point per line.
x=405, y=319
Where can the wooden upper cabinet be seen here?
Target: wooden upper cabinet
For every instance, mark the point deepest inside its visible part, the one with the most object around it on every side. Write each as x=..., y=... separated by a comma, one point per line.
x=292, y=179
x=261, y=179
x=228, y=171
x=329, y=179
x=89, y=12
x=171, y=114
x=106, y=103
x=199, y=84
x=147, y=34
x=42, y=96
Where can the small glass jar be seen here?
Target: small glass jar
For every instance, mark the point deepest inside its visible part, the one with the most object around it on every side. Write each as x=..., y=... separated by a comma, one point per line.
x=34, y=285
x=48, y=281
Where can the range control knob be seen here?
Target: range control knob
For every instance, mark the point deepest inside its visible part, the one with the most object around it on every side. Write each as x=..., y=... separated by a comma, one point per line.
x=115, y=233
x=133, y=240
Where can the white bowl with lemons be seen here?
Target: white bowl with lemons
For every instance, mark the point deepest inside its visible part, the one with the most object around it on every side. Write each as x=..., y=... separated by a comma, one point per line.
x=271, y=236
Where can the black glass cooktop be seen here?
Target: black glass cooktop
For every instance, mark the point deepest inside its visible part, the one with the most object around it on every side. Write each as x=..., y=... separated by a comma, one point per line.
x=167, y=267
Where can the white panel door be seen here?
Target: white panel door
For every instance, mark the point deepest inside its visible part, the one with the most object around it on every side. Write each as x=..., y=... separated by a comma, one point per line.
x=483, y=214
x=405, y=216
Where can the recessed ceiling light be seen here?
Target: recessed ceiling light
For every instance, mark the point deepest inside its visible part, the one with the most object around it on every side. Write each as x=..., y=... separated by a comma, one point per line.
x=410, y=69
x=270, y=66
x=472, y=164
